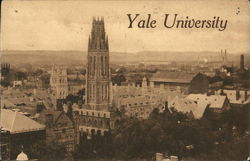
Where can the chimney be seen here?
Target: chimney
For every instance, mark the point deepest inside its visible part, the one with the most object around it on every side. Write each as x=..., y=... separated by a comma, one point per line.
x=241, y=62
x=237, y=95
x=225, y=56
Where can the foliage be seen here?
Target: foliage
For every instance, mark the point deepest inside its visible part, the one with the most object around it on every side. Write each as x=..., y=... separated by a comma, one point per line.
x=118, y=79
x=47, y=152
x=211, y=137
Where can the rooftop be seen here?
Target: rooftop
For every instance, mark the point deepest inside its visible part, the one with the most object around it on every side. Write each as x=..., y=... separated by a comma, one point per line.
x=176, y=77
x=16, y=122
x=215, y=101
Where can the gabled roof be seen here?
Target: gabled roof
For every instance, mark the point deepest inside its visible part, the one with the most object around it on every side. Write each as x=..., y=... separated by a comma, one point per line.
x=214, y=101
x=16, y=122
x=56, y=116
x=176, y=77
x=185, y=105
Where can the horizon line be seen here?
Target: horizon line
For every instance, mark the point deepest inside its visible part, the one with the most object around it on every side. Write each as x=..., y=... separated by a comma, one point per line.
x=219, y=51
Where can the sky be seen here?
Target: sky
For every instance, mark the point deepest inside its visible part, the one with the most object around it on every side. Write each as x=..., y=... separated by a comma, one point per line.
x=66, y=25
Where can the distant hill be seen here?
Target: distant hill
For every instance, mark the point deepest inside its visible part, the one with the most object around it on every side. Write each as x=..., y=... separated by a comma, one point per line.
x=79, y=57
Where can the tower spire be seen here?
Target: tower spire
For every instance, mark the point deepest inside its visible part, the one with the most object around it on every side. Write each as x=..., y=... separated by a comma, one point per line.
x=98, y=37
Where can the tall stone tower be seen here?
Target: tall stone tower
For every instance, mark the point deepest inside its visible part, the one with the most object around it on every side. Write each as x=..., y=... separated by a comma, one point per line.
x=59, y=82
x=98, y=77
x=96, y=117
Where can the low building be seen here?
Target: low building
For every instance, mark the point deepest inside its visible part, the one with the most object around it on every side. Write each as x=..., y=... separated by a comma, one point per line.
x=22, y=130
x=140, y=101
x=60, y=129
x=173, y=81
x=216, y=103
x=237, y=98
x=193, y=109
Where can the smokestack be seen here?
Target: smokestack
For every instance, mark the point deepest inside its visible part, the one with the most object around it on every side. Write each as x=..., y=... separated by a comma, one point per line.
x=241, y=62
x=225, y=56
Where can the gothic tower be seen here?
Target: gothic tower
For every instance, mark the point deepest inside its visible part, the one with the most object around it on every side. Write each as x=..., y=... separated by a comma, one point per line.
x=98, y=77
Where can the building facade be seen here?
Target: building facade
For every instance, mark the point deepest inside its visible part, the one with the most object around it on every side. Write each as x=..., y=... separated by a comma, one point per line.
x=172, y=81
x=59, y=82
x=60, y=129
x=140, y=101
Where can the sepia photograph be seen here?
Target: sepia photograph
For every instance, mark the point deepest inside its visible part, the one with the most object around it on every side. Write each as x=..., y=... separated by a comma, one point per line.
x=125, y=80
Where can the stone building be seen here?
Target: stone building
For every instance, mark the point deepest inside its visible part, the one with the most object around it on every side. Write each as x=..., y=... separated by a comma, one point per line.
x=216, y=103
x=172, y=81
x=237, y=98
x=95, y=116
x=5, y=69
x=60, y=129
x=59, y=86
x=59, y=82
x=140, y=101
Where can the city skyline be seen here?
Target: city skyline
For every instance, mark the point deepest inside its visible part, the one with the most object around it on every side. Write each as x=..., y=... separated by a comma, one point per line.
x=54, y=20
